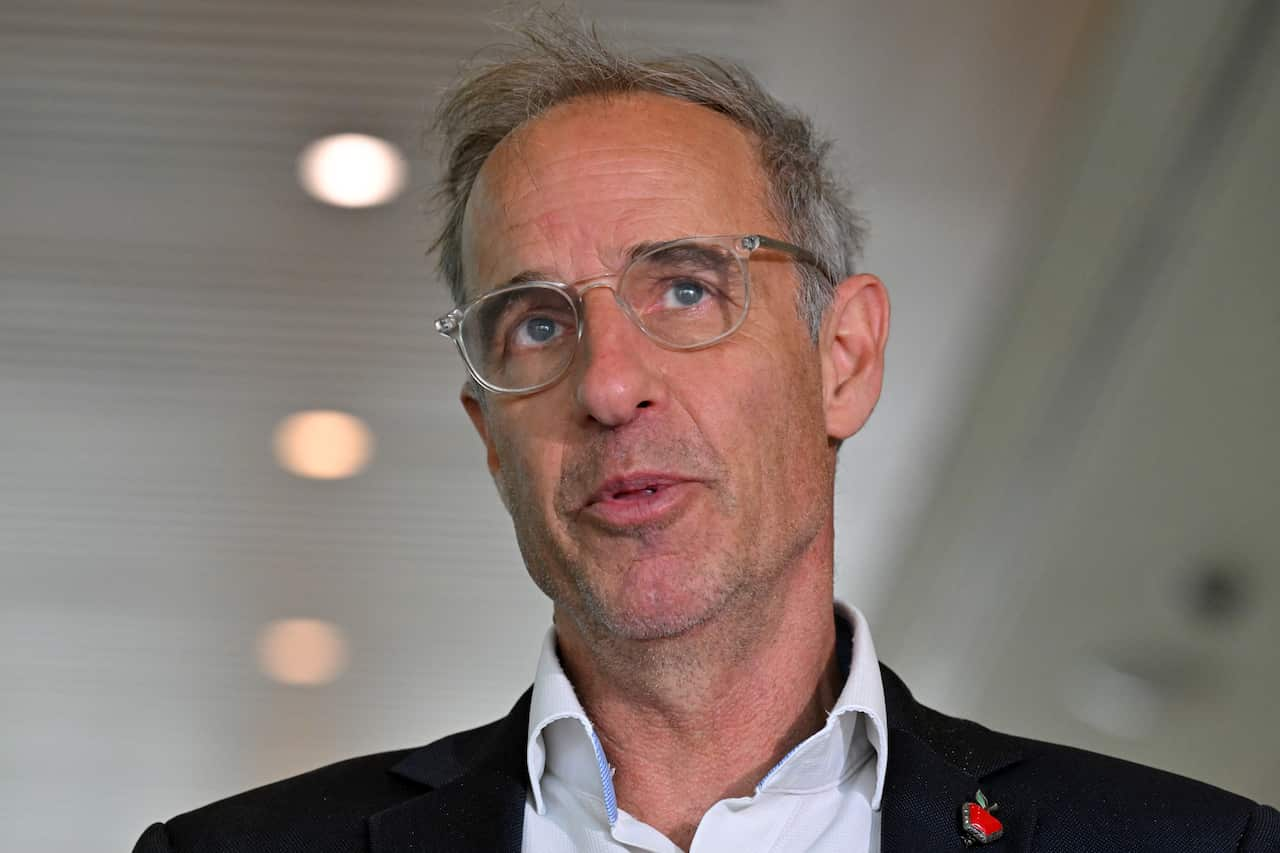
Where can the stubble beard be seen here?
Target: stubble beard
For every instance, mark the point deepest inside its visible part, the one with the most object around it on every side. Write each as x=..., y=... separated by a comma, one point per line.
x=577, y=565
x=737, y=571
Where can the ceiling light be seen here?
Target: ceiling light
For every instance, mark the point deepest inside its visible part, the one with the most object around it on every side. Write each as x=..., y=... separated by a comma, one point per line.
x=352, y=170
x=302, y=652
x=323, y=444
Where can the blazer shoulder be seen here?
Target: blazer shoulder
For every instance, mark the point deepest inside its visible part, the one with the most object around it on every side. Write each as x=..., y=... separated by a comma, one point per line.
x=496, y=745
x=1084, y=800
x=320, y=811
x=1062, y=797
x=327, y=810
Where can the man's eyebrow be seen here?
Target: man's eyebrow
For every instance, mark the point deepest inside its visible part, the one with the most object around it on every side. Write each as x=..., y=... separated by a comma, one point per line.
x=523, y=277
x=640, y=248
x=526, y=276
x=680, y=249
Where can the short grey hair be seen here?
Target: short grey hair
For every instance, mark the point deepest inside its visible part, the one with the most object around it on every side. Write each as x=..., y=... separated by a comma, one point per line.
x=561, y=59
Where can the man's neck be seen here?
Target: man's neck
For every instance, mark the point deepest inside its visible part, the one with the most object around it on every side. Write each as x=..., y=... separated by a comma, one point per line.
x=691, y=720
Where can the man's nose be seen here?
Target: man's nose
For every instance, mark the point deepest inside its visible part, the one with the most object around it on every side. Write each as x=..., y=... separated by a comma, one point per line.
x=615, y=374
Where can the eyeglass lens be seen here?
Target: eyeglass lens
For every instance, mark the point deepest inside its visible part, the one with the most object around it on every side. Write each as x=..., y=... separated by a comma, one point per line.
x=681, y=294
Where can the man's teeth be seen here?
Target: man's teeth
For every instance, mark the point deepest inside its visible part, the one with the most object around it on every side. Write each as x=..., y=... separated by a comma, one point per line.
x=647, y=490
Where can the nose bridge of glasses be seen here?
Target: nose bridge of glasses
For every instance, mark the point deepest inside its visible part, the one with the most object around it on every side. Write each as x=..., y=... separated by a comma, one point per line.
x=586, y=285
x=603, y=282
x=611, y=282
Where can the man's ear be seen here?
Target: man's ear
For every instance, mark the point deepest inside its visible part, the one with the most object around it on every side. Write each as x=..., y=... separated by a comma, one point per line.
x=855, y=330
x=475, y=411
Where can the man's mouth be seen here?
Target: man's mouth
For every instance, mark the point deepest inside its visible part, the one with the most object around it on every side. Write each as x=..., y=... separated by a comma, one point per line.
x=633, y=487
x=637, y=499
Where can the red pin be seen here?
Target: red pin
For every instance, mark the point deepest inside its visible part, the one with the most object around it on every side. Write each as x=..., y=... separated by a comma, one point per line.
x=977, y=823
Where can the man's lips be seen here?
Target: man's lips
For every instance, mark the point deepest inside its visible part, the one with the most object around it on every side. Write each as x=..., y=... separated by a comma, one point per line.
x=637, y=499
x=632, y=486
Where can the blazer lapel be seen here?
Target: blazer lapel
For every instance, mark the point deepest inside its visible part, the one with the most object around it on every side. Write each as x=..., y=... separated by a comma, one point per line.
x=937, y=763
x=479, y=781
x=479, y=785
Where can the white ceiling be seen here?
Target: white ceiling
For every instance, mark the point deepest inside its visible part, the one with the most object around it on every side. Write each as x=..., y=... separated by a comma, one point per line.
x=1079, y=410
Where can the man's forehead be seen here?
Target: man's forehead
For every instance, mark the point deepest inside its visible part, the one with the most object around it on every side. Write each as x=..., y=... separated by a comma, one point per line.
x=583, y=186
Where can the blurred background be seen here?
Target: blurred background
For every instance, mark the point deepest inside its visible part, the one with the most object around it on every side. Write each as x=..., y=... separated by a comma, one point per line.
x=245, y=529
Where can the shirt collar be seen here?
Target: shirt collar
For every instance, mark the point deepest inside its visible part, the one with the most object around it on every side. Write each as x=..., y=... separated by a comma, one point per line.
x=563, y=741
x=856, y=730
x=561, y=738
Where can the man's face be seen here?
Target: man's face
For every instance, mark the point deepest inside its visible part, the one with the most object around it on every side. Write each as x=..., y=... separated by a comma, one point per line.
x=650, y=489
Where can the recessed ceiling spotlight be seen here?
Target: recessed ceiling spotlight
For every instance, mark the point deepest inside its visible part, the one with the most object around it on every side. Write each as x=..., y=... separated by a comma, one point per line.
x=323, y=444
x=302, y=652
x=352, y=170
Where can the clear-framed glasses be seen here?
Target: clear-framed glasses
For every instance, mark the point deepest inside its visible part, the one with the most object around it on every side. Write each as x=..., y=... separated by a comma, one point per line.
x=683, y=294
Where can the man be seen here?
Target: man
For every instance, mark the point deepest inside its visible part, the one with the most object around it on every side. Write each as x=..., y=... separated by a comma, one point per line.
x=667, y=343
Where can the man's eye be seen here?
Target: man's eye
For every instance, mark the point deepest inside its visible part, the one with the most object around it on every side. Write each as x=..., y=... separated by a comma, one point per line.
x=684, y=294
x=535, y=331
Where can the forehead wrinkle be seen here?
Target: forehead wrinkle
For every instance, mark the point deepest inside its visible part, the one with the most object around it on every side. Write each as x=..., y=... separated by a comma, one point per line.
x=556, y=156
x=609, y=253
x=629, y=253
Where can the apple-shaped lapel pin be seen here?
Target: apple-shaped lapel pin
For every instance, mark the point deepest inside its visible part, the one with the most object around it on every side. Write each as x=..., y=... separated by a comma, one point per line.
x=977, y=823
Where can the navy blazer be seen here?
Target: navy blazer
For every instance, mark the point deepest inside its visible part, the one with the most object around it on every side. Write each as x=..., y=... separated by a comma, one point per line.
x=466, y=793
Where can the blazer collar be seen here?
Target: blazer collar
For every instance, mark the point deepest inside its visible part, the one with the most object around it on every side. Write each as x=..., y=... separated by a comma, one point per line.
x=479, y=783
x=937, y=763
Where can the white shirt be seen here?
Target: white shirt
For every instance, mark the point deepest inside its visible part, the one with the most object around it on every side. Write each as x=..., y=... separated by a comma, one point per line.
x=822, y=796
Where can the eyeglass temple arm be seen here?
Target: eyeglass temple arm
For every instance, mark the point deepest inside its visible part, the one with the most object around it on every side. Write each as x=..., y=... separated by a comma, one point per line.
x=804, y=256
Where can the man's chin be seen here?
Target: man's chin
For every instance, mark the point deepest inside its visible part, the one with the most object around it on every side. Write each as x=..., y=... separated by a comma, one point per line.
x=649, y=616
x=641, y=628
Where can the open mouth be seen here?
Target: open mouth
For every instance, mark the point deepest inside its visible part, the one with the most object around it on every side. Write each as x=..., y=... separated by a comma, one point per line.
x=632, y=488
x=637, y=500
x=630, y=493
